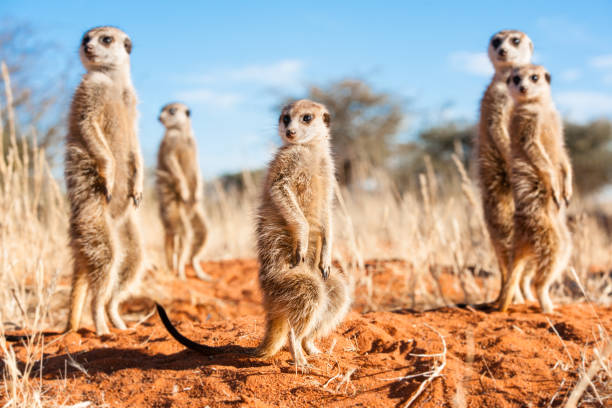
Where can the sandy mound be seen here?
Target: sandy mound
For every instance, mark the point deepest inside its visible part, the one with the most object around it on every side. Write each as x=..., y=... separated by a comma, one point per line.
x=373, y=360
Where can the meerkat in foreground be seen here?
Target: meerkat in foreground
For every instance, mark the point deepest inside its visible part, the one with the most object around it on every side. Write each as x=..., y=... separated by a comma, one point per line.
x=541, y=183
x=104, y=179
x=507, y=49
x=304, y=296
x=179, y=189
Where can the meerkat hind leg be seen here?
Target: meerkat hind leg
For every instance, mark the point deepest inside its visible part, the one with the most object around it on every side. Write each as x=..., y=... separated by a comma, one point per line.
x=198, y=225
x=526, y=282
x=512, y=284
x=277, y=329
x=77, y=296
x=130, y=269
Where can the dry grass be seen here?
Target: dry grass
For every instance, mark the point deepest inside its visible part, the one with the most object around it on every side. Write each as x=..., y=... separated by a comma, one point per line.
x=439, y=226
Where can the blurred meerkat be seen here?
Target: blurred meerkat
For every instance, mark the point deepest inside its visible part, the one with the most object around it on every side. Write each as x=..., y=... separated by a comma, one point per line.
x=179, y=189
x=541, y=183
x=104, y=179
x=507, y=49
x=304, y=296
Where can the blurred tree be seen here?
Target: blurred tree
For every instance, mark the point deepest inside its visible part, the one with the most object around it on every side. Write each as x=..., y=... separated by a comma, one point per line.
x=39, y=74
x=589, y=145
x=590, y=148
x=364, y=125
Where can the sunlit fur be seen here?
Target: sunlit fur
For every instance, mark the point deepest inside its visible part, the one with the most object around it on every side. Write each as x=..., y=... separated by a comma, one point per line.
x=179, y=190
x=104, y=179
x=493, y=147
x=294, y=237
x=542, y=186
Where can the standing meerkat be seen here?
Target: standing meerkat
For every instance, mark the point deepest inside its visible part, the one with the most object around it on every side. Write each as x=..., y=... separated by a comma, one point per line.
x=179, y=189
x=303, y=294
x=541, y=183
x=507, y=49
x=104, y=179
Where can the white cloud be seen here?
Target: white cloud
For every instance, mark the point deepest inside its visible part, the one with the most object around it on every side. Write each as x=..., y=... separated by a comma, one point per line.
x=601, y=61
x=570, y=75
x=474, y=63
x=285, y=73
x=582, y=106
x=206, y=96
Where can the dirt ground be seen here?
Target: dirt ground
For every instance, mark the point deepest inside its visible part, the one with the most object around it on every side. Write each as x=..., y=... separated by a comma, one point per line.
x=374, y=359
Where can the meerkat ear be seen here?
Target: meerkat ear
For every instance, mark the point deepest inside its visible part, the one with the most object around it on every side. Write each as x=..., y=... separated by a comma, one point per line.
x=547, y=76
x=508, y=80
x=188, y=113
x=326, y=119
x=127, y=43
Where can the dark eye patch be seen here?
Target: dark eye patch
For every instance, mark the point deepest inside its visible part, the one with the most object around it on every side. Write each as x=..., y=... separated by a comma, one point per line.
x=172, y=111
x=496, y=42
x=516, y=79
x=86, y=40
x=286, y=119
x=516, y=41
x=307, y=118
x=106, y=40
x=535, y=78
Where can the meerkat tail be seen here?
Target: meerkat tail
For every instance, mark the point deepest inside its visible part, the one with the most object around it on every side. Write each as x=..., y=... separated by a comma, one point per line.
x=192, y=345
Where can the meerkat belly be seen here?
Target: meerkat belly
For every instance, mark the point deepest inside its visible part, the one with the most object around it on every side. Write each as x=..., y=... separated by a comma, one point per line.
x=118, y=129
x=188, y=160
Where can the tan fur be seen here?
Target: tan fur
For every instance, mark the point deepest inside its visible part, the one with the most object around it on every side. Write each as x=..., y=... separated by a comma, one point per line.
x=493, y=147
x=179, y=189
x=541, y=185
x=104, y=178
x=303, y=294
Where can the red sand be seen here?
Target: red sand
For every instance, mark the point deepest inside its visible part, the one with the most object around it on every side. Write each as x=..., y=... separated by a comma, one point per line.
x=493, y=359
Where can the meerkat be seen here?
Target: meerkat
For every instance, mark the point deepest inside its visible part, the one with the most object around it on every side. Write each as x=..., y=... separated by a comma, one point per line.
x=179, y=190
x=541, y=184
x=507, y=49
x=304, y=296
x=104, y=179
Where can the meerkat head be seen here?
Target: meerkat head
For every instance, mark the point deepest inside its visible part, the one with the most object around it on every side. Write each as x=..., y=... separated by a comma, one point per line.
x=510, y=47
x=303, y=121
x=175, y=115
x=529, y=82
x=105, y=47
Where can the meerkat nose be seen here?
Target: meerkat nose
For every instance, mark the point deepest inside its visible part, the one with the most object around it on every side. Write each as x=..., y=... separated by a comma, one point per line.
x=290, y=133
x=522, y=89
x=502, y=52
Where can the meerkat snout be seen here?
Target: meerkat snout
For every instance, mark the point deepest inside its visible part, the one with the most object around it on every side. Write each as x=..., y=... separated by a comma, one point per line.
x=510, y=47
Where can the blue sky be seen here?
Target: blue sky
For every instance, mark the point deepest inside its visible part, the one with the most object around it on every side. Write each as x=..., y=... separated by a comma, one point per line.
x=232, y=62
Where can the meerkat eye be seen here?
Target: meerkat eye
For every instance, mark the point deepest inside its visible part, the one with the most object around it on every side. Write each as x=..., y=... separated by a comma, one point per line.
x=516, y=79
x=286, y=119
x=307, y=118
x=86, y=40
x=534, y=78
x=106, y=39
x=516, y=41
x=496, y=42
x=172, y=111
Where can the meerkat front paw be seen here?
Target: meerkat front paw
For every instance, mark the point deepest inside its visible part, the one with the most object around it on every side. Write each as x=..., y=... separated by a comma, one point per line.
x=136, y=198
x=567, y=192
x=299, y=255
x=325, y=266
x=184, y=193
x=556, y=190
